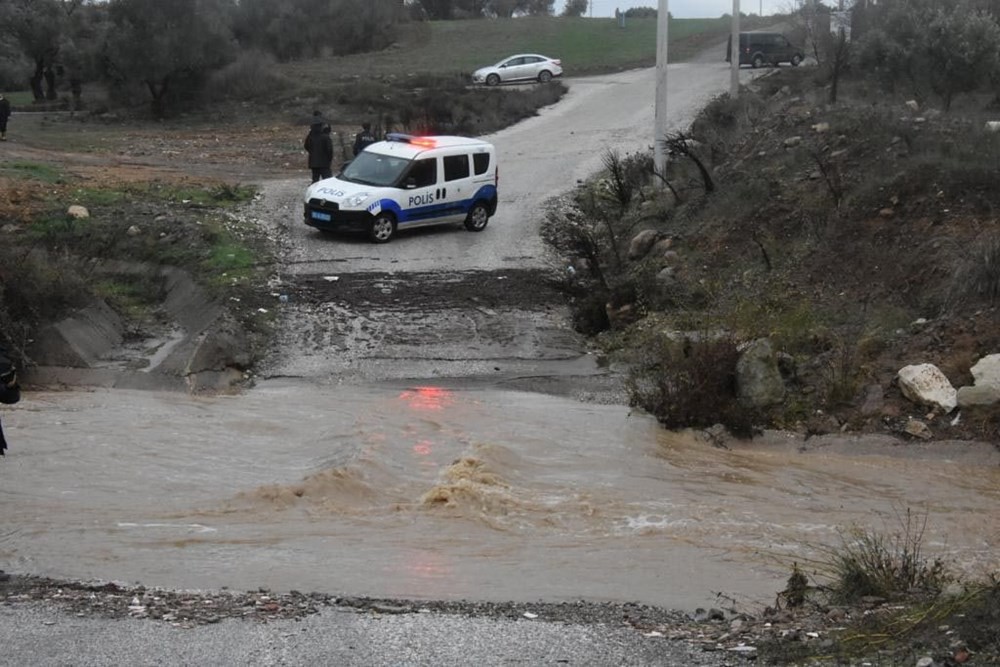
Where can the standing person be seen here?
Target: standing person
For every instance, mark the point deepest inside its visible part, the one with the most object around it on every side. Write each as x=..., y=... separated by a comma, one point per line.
x=4, y=115
x=10, y=392
x=364, y=138
x=320, y=148
x=328, y=170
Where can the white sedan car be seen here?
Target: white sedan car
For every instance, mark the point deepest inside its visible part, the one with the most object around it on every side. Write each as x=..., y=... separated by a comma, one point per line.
x=522, y=67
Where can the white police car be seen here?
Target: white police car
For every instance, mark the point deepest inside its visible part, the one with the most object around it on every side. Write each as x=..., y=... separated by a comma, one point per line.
x=406, y=182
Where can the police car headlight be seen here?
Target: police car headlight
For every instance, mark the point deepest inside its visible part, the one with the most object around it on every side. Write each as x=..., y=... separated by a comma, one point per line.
x=357, y=200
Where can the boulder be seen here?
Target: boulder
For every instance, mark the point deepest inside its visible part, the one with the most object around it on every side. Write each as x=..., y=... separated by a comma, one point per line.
x=758, y=378
x=666, y=277
x=986, y=371
x=925, y=384
x=984, y=394
x=642, y=243
x=792, y=142
x=873, y=401
x=78, y=212
x=662, y=247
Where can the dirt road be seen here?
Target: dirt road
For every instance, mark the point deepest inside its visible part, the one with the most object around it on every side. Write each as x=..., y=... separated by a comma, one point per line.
x=444, y=302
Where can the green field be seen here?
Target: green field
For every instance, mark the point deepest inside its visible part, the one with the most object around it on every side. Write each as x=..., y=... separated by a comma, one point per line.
x=585, y=46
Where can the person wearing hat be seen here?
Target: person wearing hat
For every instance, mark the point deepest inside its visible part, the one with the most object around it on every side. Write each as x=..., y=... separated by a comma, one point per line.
x=364, y=138
x=319, y=146
x=4, y=115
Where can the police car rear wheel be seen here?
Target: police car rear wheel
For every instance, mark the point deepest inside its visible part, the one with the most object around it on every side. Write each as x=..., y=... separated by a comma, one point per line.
x=477, y=218
x=383, y=228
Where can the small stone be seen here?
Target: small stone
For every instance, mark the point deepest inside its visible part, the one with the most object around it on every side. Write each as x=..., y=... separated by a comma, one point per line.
x=78, y=212
x=918, y=429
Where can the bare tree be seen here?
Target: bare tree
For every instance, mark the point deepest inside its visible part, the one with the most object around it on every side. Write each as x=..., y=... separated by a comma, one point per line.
x=680, y=144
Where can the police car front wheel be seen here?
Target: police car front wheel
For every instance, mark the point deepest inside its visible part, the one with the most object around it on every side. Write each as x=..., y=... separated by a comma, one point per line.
x=477, y=218
x=383, y=228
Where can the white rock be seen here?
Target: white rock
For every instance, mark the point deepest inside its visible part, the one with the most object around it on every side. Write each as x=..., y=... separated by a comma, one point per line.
x=987, y=371
x=913, y=105
x=993, y=126
x=78, y=212
x=925, y=384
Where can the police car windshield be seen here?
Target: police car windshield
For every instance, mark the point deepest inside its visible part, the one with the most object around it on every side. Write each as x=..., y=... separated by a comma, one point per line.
x=375, y=169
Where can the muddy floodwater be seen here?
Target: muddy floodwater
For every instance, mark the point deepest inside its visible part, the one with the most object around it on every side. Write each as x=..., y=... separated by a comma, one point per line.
x=447, y=493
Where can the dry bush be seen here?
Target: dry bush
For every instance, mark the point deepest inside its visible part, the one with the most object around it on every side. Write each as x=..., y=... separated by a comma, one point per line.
x=977, y=279
x=691, y=384
x=252, y=76
x=890, y=565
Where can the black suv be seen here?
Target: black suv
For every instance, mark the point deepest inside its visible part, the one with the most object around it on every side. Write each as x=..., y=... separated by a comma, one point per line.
x=765, y=48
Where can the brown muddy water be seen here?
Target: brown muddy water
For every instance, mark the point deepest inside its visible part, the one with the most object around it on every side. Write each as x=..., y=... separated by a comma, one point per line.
x=436, y=493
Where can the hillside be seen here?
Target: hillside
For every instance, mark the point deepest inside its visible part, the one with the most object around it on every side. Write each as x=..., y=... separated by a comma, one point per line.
x=858, y=238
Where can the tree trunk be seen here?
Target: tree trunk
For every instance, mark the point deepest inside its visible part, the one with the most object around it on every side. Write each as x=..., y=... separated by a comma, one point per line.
x=159, y=93
x=50, y=84
x=36, y=80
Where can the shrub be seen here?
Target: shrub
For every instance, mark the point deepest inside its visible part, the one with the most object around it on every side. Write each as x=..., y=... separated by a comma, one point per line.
x=691, y=384
x=891, y=566
x=252, y=76
x=978, y=278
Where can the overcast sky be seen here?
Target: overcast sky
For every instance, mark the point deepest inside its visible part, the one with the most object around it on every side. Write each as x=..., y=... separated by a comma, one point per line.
x=685, y=9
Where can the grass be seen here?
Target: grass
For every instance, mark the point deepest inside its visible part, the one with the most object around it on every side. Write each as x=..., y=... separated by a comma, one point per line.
x=33, y=171
x=585, y=46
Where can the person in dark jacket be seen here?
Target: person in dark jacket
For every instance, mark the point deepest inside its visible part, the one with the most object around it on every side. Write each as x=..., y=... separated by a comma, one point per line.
x=364, y=138
x=4, y=115
x=319, y=145
x=10, y=392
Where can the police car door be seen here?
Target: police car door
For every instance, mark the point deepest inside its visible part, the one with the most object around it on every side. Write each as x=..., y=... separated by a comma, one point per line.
x=456, y=187
x=421, y=198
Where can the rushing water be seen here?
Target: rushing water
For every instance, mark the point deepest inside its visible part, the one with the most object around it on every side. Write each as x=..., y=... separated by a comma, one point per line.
x=430, y=492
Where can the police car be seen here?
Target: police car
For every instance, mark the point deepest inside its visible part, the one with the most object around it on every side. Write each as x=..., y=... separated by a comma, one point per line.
x=405, y=182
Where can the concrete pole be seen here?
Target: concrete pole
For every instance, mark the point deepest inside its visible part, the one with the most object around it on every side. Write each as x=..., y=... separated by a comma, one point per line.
x=660, y=122
x=734, y=53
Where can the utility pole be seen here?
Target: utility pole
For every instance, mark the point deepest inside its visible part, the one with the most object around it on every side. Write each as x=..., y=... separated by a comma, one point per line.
x=660, y=121
x=734, y=53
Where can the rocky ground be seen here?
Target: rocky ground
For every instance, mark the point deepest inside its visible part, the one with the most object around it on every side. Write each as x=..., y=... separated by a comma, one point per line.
x=812, y=634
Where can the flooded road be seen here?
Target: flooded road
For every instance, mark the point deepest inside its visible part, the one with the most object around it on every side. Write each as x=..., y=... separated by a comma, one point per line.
x=357, y=467
x=434, y=492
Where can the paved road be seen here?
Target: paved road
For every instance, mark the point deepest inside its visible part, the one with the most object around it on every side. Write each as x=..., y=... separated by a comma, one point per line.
x=41, y=637
x=540, y=158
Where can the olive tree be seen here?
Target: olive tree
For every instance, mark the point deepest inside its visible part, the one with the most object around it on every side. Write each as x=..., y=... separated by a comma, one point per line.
x=944, y=47
x=292, y=29
x=169, y=46
x=36, y=25
x=575, y=8
x=962, y=51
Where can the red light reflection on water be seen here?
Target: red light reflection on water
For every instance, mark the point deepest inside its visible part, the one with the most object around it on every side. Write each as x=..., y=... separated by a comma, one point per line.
x=423, y=447
x=427, y=398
